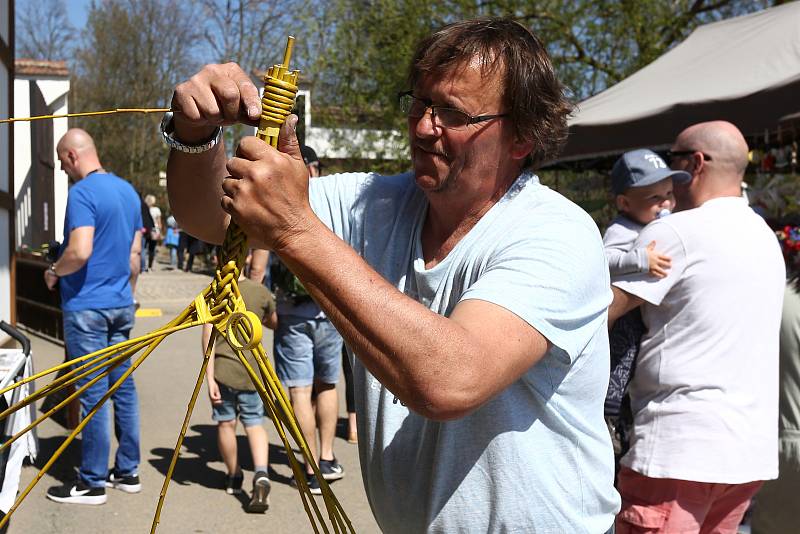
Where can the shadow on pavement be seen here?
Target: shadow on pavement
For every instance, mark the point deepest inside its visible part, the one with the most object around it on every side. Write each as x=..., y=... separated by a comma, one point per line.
x=65, y=468
x=200, y=448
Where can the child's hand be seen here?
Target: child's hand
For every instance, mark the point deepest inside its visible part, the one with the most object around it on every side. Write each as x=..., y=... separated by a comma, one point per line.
x=658, y=262
x=213, y=392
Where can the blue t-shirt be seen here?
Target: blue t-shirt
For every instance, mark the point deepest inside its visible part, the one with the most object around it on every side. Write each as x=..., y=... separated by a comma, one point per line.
x=112, y=207
x=535, y=458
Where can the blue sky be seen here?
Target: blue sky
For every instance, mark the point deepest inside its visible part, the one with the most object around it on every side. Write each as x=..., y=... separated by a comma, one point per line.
x=77, y=10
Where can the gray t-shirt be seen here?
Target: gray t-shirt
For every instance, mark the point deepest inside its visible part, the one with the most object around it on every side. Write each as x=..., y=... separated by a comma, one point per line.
x=535, y=458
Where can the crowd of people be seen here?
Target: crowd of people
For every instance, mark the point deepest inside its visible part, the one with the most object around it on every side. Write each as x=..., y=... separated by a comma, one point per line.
x=510, y=369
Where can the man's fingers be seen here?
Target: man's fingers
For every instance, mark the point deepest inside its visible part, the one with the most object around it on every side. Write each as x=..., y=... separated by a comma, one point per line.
x=228, y=97
x=250, y=100
x=218, y=94
x=287, y=139
x=230, y=186
x=252, y=148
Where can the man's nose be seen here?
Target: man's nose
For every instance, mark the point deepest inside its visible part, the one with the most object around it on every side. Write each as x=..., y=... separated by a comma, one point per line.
x=426, y=127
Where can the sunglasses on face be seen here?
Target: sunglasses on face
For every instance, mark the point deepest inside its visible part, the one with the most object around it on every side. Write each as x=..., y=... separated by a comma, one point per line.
x=673, y=154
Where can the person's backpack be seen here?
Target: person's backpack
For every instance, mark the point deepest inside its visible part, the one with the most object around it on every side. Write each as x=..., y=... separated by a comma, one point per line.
x=284, y=280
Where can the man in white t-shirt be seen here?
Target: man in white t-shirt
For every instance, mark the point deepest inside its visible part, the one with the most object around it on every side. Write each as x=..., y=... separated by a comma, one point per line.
x=705, y=392
x=474, y=298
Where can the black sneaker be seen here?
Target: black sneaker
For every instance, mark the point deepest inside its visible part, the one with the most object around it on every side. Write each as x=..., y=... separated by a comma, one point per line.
x=77, y=493
x=313, y=484
x=126, y=483
x=331, y=469
x=233, y=483
x=259, y=500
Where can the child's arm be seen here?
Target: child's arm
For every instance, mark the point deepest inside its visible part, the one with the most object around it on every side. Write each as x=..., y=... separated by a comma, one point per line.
x=618, y=241
x=622, y=262
x=213, y=388
x=638, y=260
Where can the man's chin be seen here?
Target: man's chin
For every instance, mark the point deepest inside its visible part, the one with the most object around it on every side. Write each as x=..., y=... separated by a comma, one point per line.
x=427, y=181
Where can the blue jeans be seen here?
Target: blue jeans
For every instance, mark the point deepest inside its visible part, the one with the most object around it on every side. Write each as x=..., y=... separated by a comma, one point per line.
x=87, y=331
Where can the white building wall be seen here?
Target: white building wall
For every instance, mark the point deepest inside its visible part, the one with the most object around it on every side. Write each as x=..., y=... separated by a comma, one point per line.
x=362, y=144
x=22, y=159
x=55, y=93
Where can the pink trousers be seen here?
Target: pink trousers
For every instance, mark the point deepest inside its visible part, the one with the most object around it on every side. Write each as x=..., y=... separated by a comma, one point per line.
x=670, y=506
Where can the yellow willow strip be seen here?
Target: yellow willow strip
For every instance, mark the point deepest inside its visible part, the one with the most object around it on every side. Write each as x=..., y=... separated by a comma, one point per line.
x=297, y=469
x=187, y=417
x=169, y=328
x=110, y=364
x=77, y=430
x=85, y=114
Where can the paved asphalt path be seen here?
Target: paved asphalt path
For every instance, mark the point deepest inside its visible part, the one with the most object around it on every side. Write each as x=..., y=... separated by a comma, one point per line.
x=196, y=502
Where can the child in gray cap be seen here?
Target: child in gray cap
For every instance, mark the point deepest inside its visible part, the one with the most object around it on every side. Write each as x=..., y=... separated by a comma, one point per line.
x=641, y=183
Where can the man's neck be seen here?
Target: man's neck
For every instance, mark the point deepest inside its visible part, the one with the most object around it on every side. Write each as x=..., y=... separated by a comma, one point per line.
x=92, y=169
x=450, y=217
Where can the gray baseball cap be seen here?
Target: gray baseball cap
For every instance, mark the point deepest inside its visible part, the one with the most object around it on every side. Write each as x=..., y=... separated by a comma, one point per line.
x=642, y=167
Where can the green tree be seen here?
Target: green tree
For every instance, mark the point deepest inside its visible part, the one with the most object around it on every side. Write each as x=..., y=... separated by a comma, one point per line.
x=133, y=54
x=593, y=44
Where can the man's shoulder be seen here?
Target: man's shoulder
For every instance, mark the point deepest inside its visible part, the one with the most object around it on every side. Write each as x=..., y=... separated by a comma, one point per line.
x=540, y=205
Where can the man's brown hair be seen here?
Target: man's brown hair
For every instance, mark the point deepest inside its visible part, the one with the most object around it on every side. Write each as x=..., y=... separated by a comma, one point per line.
x=532, y=93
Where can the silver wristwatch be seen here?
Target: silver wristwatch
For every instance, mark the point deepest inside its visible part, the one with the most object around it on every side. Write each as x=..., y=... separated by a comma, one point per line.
x=168, y=129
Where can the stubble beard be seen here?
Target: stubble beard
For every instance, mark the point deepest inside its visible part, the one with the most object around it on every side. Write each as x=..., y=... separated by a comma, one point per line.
x=454, y=172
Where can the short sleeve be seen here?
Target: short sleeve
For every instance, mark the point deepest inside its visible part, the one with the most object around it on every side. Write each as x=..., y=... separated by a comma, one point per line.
x=81, y=209
x=669, y=243
x=555, y=278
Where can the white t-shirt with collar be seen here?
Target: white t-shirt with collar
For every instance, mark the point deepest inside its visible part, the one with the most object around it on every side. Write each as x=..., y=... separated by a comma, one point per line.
x=705, y=393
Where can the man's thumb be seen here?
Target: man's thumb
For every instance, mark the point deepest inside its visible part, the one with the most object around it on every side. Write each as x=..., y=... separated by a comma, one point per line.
x=287, y=138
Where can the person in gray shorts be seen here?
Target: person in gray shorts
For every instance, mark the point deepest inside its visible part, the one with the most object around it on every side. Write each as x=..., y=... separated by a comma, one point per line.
x=308, y=360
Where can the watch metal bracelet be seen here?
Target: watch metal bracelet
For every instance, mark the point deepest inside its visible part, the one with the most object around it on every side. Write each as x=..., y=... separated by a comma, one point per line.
x=168, y=129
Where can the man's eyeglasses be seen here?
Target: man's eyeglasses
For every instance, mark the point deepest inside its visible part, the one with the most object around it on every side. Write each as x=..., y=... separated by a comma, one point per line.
x=442, y=116
x=672, y=154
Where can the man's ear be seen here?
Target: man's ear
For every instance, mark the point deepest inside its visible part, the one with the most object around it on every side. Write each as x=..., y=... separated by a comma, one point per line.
x=699, y=163
x=521, y=149
x=72, y=156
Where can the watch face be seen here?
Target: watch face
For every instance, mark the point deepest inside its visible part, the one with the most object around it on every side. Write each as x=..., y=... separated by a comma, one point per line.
x=167, y=124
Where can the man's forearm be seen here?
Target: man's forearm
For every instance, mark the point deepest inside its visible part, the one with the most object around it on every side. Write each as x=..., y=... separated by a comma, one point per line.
x=623, y=303
x=69, y=262
x=135, y=262
x=428, y=361
x=194, y=192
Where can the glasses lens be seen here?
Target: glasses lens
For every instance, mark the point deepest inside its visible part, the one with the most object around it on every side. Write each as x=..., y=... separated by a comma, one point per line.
x=451, y=118
x=413, y=107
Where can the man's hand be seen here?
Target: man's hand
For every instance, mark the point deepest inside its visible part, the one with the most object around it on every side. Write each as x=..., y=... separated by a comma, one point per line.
x=659, y=264
x=267, y=190
x=213, y=391
x=50, y=279
x=218, y=95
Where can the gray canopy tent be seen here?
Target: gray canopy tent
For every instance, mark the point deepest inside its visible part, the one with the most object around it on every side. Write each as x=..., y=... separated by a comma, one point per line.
x=745, y=70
